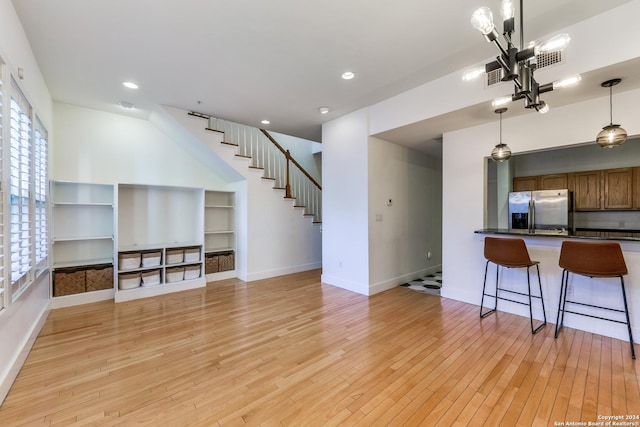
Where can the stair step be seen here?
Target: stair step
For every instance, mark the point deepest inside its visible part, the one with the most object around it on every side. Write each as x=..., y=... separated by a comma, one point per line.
x=214, y=130
x=269, y=178
x=256, y=167
x=299, y=206
x=243, y=156
x=228, y=143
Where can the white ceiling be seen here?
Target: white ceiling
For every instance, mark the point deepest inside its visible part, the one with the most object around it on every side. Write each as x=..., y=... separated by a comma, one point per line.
x=248, y=60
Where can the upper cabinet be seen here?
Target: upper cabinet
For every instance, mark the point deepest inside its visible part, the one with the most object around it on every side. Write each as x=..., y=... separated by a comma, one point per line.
x=618, y=184
x=636, y=188
x=525, y=183
x=608, y=189
x=553, y=182
x=586, y=193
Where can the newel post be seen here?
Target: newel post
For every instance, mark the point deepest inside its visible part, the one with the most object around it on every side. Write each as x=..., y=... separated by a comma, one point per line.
x=287, y=188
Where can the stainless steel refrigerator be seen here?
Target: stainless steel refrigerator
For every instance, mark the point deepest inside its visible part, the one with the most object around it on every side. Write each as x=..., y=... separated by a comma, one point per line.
x=541, y=212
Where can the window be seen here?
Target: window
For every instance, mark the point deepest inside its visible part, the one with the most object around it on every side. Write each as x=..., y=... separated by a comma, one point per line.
x=40, y=195
x=2, y=281
x=20, y=171
x=28, y=196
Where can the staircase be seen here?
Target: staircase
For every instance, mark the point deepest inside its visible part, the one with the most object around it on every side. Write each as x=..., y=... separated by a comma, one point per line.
x=277, y=164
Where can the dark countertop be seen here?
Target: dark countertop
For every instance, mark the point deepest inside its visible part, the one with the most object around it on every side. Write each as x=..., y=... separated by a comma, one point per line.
x=587, y=234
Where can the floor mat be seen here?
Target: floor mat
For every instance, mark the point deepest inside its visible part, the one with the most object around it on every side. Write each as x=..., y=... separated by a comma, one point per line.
x=430, y=284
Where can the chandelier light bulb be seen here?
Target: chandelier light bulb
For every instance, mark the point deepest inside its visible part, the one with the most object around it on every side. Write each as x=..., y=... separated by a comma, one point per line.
x=472, y=74
x=569, y=81
x=482, y=20
x=543, y=108
x=503, y=100
x=554, y=44
x=507, y=10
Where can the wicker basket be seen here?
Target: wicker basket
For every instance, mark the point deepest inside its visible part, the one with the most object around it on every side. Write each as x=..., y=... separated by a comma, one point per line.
x=68, y=282
x=151, y=259
x=99, y=278
x=192, y=254
x=129, y=260
x=192, y=272
x=175, y=256
x=211, y=264
x=226, y=262
x=175, y=274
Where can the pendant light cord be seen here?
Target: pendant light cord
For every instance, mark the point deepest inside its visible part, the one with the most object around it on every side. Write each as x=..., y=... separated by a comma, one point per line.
x=611, y=104
x=500, y=128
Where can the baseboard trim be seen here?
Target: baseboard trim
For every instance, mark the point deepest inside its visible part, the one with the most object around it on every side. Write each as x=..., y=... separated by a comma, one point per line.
x=21, y=357
x=251, y=277
x=396, y=281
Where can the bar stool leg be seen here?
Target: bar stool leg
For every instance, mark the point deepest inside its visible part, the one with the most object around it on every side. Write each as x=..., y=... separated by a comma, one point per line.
x=533, y=331
x=626, y=312
x=544, y=312
x=563, y=296
x=483, y=315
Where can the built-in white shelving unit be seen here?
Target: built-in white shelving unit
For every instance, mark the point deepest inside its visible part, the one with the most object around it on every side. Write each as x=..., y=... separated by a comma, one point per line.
x=219, y=234
x=154, y=224
x=82, y=242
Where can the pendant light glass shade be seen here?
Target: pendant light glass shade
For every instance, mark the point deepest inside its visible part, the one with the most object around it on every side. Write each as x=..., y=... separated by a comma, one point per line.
x=501, y=152
x=611, y=135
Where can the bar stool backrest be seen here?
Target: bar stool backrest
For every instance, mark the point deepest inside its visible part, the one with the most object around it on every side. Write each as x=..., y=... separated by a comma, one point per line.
x=593, y=259
x=507, y=252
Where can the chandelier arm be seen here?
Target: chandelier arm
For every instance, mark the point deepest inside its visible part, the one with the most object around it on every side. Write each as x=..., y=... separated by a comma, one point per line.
x=521, y=26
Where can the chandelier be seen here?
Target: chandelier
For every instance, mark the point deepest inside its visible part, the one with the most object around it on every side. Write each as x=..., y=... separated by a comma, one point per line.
x=517, y=64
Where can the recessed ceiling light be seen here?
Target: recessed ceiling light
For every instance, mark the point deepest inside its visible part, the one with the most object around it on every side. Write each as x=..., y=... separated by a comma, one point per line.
x=126, y=105
x=348, y=75
x=265, y=122
x=324, y=110
x=130, y=85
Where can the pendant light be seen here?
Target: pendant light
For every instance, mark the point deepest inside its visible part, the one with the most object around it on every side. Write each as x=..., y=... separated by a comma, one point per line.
x=611, y=135
x=501, y=152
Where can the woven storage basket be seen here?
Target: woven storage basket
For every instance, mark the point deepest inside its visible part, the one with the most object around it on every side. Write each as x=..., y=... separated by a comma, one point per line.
x=150, y=278
x=68, y=282
x=175, y=274
x=191, y=272
x=99, y=277
x=175, y=256
x=226, y=262
x=129, y=260
x=151, y=259
x=192, y=254
x=211, y=264
x=128, y=280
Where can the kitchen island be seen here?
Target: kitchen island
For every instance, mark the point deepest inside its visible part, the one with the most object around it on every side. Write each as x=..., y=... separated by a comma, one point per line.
x=586, y=234
x=545, y=247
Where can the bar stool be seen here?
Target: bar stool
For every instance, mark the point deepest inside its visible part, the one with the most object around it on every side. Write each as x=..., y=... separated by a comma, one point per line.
x=592, y=259
x=510, y=253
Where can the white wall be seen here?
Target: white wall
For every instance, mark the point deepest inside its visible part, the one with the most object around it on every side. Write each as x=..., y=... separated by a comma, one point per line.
x=21, y=322
x=345, y=228
x=95, y=146
x=401, y=235
x=464, y=154
x=303, y=151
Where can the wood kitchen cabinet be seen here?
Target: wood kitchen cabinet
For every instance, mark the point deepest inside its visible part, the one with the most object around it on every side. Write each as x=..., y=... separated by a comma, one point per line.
x=553, y=182
x=525, y=183
x=618, y=185
x=587, y=196
x=636, y=188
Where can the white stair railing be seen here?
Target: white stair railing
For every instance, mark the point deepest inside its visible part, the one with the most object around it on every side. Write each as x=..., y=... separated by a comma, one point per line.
x=278, y=165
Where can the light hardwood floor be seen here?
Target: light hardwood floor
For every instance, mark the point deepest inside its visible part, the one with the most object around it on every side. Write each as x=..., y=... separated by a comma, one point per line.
x=291, y=351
